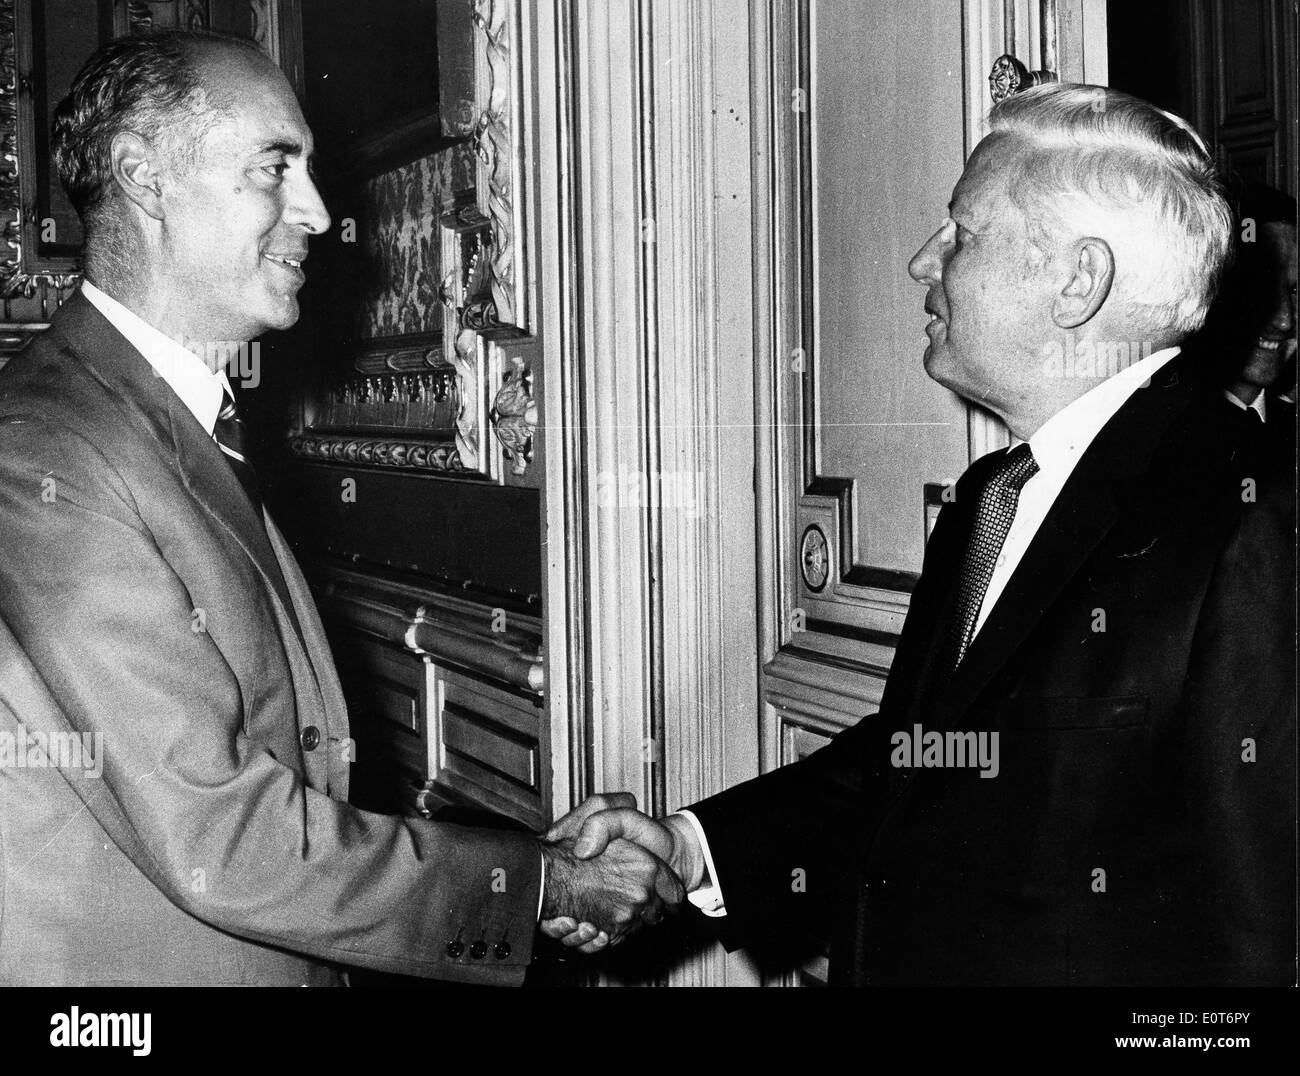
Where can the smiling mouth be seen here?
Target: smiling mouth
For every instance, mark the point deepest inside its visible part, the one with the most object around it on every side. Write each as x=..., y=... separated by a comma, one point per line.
x=1269, y=343
x=280, y=259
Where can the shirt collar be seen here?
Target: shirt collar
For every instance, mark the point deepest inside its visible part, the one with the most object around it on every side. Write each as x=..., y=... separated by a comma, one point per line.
x=1257, y=404
x=200, y=390
x=1059, y=442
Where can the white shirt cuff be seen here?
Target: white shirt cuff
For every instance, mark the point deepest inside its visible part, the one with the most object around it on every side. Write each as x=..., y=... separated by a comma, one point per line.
x=708, y=896
x=541, y=889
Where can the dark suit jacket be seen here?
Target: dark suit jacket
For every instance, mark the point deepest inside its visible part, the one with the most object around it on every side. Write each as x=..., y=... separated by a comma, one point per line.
x=1277, y=436
x=141, y=599
x=1121, y=750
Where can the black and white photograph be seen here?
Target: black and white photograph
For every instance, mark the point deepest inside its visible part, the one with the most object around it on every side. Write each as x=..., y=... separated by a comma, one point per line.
x=566, y=495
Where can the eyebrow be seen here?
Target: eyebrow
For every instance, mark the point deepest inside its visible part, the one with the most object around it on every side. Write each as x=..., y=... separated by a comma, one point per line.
x=286, y=146
x=952, y=209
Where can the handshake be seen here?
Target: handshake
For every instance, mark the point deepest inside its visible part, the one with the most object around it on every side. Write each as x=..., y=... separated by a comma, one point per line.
x=611, y=869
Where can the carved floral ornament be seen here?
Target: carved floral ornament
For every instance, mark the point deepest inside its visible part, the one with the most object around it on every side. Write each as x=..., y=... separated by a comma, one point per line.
x=814, y=558
x=1010, y=76
x=377, y=452
x=494, y=143
x=514, y=416
x=402, y=388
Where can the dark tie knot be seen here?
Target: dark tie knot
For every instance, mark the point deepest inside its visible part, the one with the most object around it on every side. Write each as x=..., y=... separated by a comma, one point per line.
x=1014, y=470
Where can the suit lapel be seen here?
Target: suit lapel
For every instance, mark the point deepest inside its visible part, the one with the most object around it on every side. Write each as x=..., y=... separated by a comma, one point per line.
x=146, y=399
x=1116, y=463
x=316, y=653
x=1083, y=514
x=916, y=676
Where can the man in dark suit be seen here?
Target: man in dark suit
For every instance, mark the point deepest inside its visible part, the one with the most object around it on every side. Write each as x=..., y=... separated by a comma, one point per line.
x=1251, y=329
x=1083, y=767
x=174, y=744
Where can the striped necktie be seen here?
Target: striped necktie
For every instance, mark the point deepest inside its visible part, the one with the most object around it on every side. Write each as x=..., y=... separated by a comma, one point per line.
x=233, y=439
x=995, y=508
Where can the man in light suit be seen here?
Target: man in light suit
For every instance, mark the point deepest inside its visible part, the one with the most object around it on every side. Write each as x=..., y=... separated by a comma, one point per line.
x=173, y=741
x=1107, y=606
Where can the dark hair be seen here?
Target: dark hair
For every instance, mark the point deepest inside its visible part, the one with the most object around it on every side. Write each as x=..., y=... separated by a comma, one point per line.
x=149, y=83
x=1261, y=203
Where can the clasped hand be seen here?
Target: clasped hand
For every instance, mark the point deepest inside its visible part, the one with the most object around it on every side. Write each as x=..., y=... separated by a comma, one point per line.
x=609, y=870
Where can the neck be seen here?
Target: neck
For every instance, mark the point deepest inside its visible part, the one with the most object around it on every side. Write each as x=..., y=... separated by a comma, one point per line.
x=1086, y=362
x=153, y=303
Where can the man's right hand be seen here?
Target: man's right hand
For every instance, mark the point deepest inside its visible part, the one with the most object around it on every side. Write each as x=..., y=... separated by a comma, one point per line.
x=599, y=826
x=605, y=894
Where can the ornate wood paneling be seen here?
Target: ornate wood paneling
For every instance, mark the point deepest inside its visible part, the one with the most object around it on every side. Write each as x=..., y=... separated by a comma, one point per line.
x=410, y=484
x=1251, y=111
x=846, y=380
x=461, y=268
x=643, y=194
x=445, y=697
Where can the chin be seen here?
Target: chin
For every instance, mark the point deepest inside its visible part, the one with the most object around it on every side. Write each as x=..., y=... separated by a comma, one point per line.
x=1262, y=370
x=937, y=366
x=278, y=316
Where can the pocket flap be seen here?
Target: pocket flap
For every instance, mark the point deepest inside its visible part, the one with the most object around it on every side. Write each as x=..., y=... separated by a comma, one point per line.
x=1067, y=712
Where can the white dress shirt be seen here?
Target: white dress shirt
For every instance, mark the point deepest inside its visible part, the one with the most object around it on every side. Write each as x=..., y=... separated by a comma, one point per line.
x=1257, y=404
x=199, y=389
x=1057, y=445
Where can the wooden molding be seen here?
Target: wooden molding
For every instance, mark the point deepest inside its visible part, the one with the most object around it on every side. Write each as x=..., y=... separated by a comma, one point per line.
x=645, y=206
x=460, y=634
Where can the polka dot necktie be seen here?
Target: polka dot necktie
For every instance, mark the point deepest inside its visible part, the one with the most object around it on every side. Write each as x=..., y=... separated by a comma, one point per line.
x=995, y=508
x=233, y=439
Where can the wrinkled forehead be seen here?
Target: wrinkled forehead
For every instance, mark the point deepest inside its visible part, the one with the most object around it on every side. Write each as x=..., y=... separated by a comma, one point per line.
x=984, y=187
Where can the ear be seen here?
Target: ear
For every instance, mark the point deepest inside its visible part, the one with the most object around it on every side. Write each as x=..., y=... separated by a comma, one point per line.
x=1092, y=271
x=135, y=169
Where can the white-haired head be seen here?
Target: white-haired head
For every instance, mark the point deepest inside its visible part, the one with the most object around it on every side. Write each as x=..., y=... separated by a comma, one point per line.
x=1090, y=160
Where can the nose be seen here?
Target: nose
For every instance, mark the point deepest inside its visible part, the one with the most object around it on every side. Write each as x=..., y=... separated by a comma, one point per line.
x=306, y=207
x=1284, y=314
x=926, y=266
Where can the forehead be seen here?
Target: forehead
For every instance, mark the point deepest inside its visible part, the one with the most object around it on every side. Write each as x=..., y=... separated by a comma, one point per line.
x=258, y=104
x=982, y=189
x=1281, y=237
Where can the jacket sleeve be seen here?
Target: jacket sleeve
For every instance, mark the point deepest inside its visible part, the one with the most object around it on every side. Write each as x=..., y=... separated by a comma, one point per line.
x=786, y=844
x=233, y=836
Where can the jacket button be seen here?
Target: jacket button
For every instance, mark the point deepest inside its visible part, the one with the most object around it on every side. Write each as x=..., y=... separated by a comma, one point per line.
x=478, y=950
x=454, y=949
x=310, y=738
x=501, y=950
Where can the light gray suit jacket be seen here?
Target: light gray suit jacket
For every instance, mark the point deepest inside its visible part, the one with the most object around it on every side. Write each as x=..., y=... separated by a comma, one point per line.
x=143, y=603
